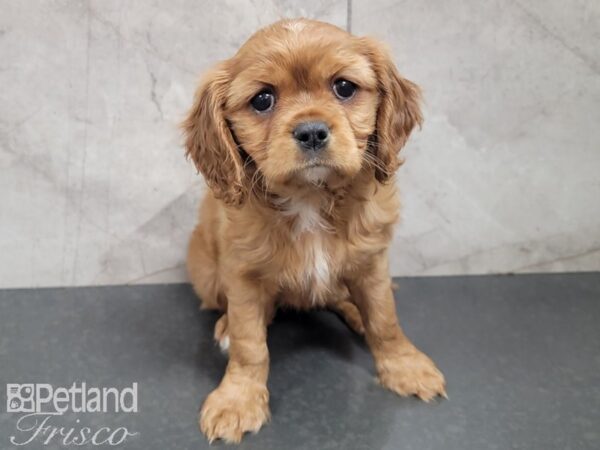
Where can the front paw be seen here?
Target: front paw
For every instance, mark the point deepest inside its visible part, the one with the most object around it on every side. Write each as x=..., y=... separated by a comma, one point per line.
x=412, y=373
x=233, y=409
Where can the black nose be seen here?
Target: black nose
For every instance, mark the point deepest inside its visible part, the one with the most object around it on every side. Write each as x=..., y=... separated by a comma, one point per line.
x=311, y=135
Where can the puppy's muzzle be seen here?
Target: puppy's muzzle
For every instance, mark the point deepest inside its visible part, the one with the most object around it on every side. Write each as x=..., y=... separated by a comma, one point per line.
x=311, y=137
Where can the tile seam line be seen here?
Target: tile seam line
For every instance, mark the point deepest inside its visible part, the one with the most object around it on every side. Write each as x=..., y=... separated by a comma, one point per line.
x=349, y=16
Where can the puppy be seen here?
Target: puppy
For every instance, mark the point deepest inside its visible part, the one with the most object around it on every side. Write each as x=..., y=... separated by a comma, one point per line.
x=297, y=137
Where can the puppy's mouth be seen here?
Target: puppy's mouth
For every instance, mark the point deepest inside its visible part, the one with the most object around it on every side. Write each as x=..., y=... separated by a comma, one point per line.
x=315, y=171
x=316, y=174
x=315, y=163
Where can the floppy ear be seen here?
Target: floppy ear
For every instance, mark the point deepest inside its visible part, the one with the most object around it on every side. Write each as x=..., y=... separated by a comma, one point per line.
x=398, y=111
x=209, y=141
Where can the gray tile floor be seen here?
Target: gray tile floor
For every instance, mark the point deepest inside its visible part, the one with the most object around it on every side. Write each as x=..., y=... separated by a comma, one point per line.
x=521, y=355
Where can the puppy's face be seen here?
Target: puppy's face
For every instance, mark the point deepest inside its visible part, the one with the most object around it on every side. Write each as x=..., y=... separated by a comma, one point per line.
x=302, y=103
x=308, y=104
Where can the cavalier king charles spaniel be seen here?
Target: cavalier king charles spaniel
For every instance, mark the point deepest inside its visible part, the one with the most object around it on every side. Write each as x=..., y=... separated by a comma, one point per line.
x=297, y=137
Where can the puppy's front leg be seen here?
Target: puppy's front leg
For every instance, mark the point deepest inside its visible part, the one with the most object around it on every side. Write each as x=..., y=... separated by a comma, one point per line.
x=241, y=402
x=400, y=365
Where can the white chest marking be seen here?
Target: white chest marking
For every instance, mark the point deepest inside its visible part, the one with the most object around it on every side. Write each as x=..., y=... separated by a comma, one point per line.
x=309, y=227
x=307, y=216
x=318, y=263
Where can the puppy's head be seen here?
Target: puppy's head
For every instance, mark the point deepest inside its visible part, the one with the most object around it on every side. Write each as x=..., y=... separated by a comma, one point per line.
x=301, y=103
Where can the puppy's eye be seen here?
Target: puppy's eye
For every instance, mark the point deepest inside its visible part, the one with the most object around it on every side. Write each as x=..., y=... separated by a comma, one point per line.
x=263, y=101
x=344, y=89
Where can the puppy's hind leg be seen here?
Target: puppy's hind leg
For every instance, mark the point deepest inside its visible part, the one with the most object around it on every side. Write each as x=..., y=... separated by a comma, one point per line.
x=202, y=266
x=221, y=334
x=344, y=307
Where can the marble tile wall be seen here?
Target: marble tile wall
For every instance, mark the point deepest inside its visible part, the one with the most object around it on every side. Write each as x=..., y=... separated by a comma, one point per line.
x=505, y=175
x=94, y=189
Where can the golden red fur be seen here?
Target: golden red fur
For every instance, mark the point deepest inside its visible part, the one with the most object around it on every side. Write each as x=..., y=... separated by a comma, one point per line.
x=280, y=226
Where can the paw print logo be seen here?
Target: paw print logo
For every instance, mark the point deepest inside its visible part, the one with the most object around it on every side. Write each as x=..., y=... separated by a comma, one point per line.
x=19, y=398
